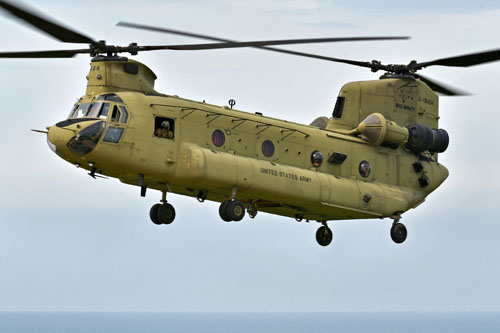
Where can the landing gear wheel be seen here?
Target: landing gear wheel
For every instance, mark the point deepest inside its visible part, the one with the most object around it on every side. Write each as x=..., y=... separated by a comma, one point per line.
x=398, y=233
x=222, y=211
x=324, y=236
x=166, y=213
x=235, y=210
x=153, y=214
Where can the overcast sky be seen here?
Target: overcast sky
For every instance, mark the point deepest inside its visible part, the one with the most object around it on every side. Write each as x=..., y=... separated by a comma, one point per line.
x=69, y=242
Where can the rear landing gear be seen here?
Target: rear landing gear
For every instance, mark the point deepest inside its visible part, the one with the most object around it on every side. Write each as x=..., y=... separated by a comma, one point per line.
x=231, y=210
x=398, y=232
x=324, y=235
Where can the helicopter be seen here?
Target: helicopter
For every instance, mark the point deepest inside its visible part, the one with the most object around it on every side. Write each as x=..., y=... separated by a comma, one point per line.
x=375, y=157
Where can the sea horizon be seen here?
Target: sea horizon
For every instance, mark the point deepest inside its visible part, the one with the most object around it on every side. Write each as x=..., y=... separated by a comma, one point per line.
x=134, y=322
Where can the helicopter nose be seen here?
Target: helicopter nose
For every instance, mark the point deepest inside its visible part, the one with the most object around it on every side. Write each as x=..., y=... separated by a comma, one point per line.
x=57, y=138
x=71, y=139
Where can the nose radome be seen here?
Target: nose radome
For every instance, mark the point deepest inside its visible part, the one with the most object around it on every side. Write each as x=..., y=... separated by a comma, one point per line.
x=57, y=138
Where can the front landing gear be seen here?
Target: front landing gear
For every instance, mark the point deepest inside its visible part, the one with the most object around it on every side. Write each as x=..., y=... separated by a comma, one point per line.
x=163, y=213
x=324, y=235
x=398, y=232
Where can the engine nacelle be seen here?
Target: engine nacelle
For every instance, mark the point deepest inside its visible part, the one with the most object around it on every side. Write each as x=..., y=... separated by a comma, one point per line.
x=417, y=137
x=380, y=131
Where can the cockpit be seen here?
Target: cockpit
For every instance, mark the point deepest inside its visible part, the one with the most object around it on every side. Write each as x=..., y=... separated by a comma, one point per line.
x=113, y=116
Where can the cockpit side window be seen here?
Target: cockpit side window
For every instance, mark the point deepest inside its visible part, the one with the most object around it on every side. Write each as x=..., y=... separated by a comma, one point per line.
x=115, y=116
x=164, y=128
x=113, y=134
x=104, y=111
x=124, y=118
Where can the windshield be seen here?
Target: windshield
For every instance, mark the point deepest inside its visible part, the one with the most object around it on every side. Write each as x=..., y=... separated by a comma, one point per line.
x=78, y=110
x=73, y=110
x=101, y=110
x=98, y=110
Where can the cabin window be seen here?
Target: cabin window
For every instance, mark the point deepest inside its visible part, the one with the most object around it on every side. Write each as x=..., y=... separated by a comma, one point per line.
x=365, y=169
x=113, y=134
x=124, y=118
x=268, y=148
x=164, y=128
x=316, y=158
x=218, y=138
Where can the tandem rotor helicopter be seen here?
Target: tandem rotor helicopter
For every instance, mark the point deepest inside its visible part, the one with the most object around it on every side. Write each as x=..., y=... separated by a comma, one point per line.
x=375, y=157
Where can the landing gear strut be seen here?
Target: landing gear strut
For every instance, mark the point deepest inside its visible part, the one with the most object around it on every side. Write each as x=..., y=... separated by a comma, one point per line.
x=398, y=232
x=324, y=235
x=163, y=213
x=251, y=210
x=231, y=210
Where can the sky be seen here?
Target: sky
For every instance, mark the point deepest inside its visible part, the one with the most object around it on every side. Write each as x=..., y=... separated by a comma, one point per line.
x=72, y=243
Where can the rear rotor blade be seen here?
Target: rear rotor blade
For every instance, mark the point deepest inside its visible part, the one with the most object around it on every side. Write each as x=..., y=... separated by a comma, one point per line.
x=442, y=88
x=43, y=54
x=464, y=60
x=46, y=25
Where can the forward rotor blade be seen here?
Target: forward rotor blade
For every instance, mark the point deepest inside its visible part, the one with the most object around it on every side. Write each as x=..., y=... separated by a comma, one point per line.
x=262, y=46
x=171, y=31
x=221, y=45
x=43, y=54
x=464, y=60
x=442, y=88
x=225, y=45
x=47, y=25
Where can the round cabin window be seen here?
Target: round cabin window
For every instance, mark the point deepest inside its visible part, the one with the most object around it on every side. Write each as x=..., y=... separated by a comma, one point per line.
x=267, y=148
x=218, y=138
x=365, y=168
x=316, y=158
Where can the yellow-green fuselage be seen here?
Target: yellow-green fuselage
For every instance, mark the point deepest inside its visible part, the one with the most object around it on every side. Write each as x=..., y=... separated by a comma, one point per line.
x=224, y=152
